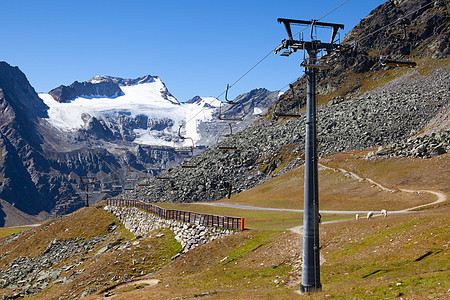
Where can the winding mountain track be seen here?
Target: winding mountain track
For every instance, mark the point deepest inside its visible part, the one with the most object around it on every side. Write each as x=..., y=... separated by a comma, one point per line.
x=441, y=197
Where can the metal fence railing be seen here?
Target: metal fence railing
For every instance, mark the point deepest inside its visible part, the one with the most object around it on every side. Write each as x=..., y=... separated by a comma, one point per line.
x=185, y=216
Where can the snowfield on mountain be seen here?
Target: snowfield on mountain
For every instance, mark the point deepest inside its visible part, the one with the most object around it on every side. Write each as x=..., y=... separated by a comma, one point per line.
x=143, y=99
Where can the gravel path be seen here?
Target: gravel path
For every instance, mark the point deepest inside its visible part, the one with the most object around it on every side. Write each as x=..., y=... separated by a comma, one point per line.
x=441, y=198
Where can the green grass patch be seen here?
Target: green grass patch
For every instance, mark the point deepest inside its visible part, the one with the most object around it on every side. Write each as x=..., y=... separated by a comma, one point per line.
x=254, y=219
x=256, y=241
x=5, y=231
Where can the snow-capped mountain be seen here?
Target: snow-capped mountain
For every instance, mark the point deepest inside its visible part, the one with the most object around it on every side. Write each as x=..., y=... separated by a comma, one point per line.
x=108, y=128
x=143, y=111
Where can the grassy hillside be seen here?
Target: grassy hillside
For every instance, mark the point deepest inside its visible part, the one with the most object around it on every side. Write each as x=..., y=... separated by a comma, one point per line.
x=411, y=173
x=398, y=256
x=402, y=256
x=339, y=191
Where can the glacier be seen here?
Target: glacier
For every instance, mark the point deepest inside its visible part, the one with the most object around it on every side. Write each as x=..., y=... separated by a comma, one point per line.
x=142, y=99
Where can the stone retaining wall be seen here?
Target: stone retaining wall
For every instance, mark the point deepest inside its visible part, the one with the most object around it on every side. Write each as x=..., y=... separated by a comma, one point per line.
x=188, y=235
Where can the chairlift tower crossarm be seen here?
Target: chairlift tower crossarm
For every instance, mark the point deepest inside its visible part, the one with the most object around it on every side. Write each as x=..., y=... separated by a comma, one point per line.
x=311, y=259
x=313, y=23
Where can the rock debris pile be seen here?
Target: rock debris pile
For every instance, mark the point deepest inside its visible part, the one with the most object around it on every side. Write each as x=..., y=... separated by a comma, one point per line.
x=30, y=275
x=188, y=235
x=425, y=146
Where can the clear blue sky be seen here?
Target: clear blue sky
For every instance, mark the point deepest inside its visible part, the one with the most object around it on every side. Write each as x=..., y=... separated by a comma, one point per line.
x=196, y=47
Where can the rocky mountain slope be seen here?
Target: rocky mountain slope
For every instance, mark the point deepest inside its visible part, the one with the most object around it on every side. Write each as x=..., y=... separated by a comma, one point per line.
x=108, y=128
x=19, y=123
x=364, y=104
x=385, y=115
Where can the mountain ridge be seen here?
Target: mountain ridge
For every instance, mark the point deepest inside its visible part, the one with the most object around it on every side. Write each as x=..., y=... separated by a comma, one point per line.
x=47, y=162
x=378, y=105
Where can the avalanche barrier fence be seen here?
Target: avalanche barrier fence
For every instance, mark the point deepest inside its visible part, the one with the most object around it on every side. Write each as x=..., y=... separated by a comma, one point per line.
x=185, y=216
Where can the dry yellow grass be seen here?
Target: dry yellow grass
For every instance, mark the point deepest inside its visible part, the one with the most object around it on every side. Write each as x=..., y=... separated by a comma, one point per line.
x=5, y=231
x=340, y=192
x=409, y=173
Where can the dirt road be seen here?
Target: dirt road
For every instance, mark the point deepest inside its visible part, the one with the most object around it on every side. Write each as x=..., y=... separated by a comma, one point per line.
x=441, y=197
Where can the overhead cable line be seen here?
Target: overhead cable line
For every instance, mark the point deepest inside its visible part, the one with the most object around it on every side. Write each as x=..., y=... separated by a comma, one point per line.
x=262, y=59
x=332, y=11
x=244, y=75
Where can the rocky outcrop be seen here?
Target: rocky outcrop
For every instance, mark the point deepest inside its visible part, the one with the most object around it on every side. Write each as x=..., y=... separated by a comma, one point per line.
x=103, y=86
x=85, y=89
x=188, y=235
x=30, y=275
x=423, y=147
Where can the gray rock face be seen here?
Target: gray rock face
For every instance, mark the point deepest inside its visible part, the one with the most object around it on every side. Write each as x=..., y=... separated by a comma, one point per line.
x=425, y=146
x=122, y=128
x=85, y=89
